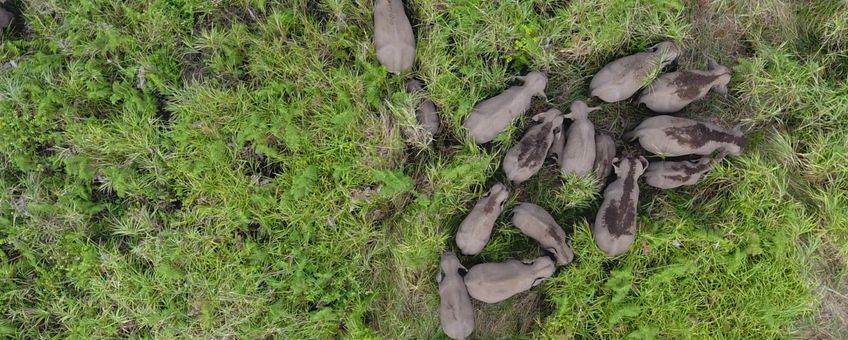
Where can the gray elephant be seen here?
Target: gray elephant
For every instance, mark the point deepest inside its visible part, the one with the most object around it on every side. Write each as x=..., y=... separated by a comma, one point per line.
x=671, y=92
x=539, y=225
x=578, y=154
x=495, y=282
x=524, y=160
x=455, y=310
x=614, y=229
x=476, y=229
x=669, y=174
x=621, y=78
x=604, y=154
x=670, y=136
x=393, y=37
x=425, y=114
x=492, y=116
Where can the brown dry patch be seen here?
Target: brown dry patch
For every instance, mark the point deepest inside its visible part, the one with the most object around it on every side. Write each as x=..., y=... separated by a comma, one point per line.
x=616, y=118
x=410, y=292
x=714, y=34
x=516, y=316
x=389, y=150
x=256, y=165
x=717, y=33
x=227, y=16
x=196, y=307
x=128, y=328
x=362, y=194
x=580, y=46
x=192, y=69
x=830, y=282
x=646, y=248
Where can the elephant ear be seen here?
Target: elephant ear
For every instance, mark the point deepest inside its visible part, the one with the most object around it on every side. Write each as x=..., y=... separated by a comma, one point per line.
x=615, y=162
x=738, y=127
x=487, y=193
x=539, y=117
x=712, y=64
x=538, y=280
x=721, y=154
x=461, y=270
x=644, y=163
x=720, y=89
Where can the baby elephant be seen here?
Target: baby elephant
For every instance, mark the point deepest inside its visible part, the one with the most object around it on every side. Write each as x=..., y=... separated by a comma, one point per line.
x=537, y=223
x=492, y=116
x=476, y=228
x=673, y=91
x=621, y=78
x=675, y=136
x=524, y=160
x=393, y=38
x=578, y=154
x=425, y=114
x=455, y=310
x=604, y=154
x=495, y=282
x=615, y=225
x=669, y=175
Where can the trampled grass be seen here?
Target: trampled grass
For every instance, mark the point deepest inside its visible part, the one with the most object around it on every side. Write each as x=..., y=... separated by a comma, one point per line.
x=247, y=169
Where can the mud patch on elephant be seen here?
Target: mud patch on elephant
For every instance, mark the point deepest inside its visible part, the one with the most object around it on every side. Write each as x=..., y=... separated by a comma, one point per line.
x=531, y=151
x=552, y=232
x=689, y=84
x=491, y=202
x=621, y=213
x=698, y=135
x=690, y=168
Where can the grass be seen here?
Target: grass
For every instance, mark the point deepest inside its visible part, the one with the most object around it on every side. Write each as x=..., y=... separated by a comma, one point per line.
x=247, y=169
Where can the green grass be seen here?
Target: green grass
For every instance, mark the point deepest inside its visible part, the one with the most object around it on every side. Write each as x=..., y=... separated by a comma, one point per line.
x=207, y=169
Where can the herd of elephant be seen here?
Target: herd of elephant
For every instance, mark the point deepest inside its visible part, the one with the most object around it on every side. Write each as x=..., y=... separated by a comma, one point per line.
x=579, y=150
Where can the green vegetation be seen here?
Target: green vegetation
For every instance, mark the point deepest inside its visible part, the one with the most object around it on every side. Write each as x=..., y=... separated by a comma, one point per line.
x=245, y=168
